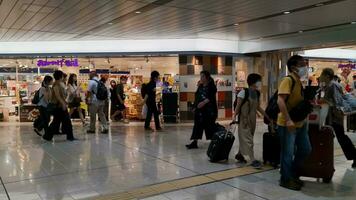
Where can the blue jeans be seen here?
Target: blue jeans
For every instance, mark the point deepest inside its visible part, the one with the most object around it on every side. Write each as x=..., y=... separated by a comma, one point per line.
x=295, y=147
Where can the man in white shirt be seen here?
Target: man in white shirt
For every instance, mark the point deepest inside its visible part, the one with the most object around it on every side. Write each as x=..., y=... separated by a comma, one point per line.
x=95, y=105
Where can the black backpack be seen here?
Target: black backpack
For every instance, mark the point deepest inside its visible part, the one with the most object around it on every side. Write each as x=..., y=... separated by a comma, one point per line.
x=272, y=109
x=247, y=95
x=101, y=92
x=37, y=98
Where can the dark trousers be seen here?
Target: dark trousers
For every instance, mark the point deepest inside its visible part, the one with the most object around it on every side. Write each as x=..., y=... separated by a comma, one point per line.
x=60, y=117
x=203, y=121
x=152, y=110
x=41, y=123
x=346, y=144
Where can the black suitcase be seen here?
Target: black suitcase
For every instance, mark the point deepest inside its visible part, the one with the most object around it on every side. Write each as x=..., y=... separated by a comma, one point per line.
x=220, y=145
x=271, y=148
x=320, y=163
x=351, y=122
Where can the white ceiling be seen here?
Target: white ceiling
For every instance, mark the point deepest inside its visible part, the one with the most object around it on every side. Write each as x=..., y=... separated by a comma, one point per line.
x=61, y=20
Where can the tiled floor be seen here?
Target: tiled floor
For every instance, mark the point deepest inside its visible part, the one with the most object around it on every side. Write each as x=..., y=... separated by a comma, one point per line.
x=129, y=158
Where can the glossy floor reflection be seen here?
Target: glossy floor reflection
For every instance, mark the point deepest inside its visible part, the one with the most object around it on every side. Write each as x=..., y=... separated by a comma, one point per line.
x=129, y=158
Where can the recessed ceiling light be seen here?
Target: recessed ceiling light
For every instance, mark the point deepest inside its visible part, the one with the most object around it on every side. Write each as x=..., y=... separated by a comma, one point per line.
x=319, y=4
x=353, y=22
x=300, y=31
x=236, y=24
x=138, y=12
x=286, y=12
x=110, y=23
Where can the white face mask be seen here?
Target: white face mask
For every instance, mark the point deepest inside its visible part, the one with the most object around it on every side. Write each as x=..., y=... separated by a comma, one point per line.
x=302, y=72
x=259, y=85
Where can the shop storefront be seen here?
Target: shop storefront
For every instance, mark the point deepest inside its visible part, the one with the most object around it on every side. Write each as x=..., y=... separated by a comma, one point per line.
x=20, y=78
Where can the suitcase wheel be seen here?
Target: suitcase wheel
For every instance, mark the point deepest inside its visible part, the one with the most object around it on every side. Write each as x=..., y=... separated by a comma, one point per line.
x=327, y=180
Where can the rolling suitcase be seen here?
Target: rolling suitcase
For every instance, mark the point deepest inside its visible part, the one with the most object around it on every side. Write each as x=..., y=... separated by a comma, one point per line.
x=220, y=145
x=320, y=163
x=271, y=148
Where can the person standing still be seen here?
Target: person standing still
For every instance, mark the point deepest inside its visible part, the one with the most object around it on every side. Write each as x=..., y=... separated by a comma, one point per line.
x=96, y=106
x=73, y=97
x=150, y=101
x=248, y=104
x=295, y=144
x=61, y=115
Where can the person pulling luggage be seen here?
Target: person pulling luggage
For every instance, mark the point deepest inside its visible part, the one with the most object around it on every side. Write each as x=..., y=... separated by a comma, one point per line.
x=248, y=104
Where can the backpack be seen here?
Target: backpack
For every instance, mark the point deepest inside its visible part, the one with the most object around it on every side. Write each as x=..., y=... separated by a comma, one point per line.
x=247, y=95
x=272, y=109
x=37, y=98
x=101, y=92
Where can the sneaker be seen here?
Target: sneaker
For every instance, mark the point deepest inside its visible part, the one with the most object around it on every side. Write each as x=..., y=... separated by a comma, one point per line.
x=90, y=131
x=193, y=145
x=291, y=184
x=240, y=158
x=38, y=132
x=126, y=121
x=354, y=164
x=256, y=164
x=105, y=131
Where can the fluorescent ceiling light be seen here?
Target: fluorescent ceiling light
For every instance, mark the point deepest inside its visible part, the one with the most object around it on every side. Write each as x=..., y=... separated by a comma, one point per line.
x=286, y=12
x=354, y=22
x=236, y=24
x=138, y=12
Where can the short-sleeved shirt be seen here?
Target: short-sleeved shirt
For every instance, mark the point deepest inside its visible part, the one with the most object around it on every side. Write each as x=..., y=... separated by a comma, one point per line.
x=43, y=102
x=93, y=89
x=295, y=97
x=151, y=92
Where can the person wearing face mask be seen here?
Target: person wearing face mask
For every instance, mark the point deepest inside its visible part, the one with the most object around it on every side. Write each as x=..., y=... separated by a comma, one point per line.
x=150, y=101
x=248, y=104
x=333, y=95
x=295, y=144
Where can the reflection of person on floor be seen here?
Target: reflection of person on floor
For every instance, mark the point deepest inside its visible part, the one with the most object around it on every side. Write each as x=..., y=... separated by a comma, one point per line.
x=332, y=94
x=150, y=101
x=247, y=106
x=205, y=110
x=45, y=94
x=120, y=98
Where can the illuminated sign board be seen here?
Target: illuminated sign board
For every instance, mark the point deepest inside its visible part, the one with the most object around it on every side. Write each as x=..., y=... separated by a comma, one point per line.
x=61, y=63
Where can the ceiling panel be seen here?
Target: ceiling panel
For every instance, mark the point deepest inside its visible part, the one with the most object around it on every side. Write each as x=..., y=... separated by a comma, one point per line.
x=38, y=20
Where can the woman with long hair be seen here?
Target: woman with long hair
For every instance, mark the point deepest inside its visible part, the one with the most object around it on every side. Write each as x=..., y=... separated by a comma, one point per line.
x=73, y=97
x=205, y=109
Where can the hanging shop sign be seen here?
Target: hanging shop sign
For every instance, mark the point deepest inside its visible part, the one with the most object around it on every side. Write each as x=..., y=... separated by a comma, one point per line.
x=347, y=66
x=61, y=63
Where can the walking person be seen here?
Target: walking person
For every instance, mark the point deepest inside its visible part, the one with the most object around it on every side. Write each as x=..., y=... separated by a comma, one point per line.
x=61, y=115
x=150, y=101
x=45, y=95
x=333, y=96
x=97, y=94
x=73, y=97
x=120, y=98
x=295, y=144
x=205, y=110
x=113, y=99
x=248, y=104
